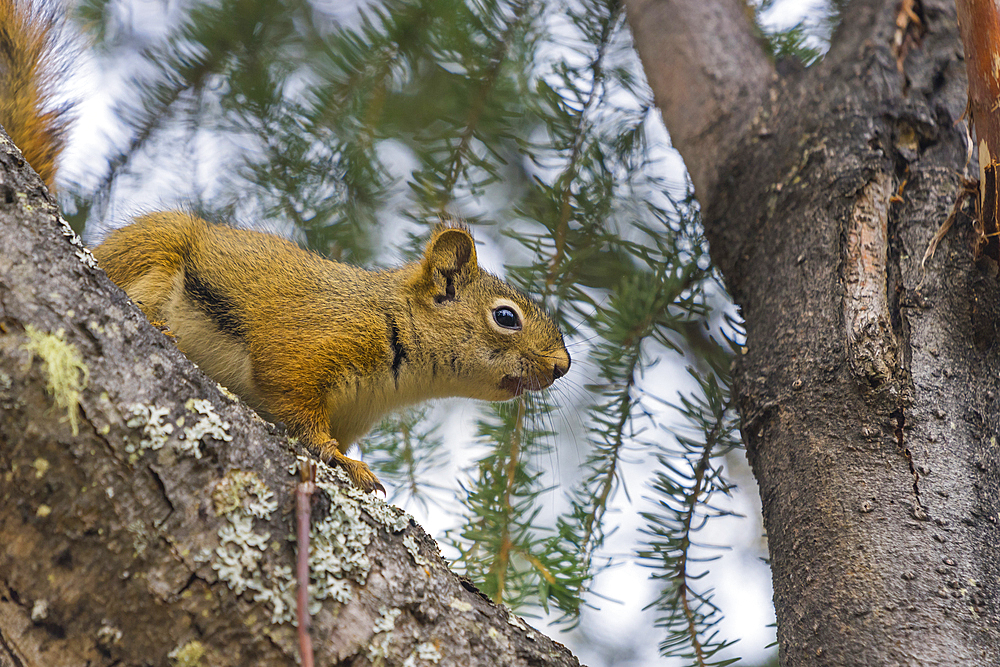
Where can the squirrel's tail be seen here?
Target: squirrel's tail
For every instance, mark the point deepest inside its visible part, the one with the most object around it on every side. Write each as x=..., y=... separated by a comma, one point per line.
x=28, y=68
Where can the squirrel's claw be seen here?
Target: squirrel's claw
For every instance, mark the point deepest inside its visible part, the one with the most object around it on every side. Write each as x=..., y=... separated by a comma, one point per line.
x=165, y=328
x=359, y=472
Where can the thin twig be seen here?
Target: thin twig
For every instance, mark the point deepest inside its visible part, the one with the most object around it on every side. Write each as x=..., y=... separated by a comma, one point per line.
x=969, y=189
x=303, y=506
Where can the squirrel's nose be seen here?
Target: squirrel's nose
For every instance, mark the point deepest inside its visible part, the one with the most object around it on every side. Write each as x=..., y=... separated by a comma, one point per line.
x=559, y=370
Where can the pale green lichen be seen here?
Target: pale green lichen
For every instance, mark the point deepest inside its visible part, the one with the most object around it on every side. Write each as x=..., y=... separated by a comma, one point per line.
x=378, y=647
x=246, y=491
x=141, y=537
x=8, y=399
x=66, y=374
x=111, y=328
x=429, y=652
x=387, y=620
x=81, y=251
x=40, y=610
x=240, y=552
x=426, y=652
x=228, y=394
x=108, y=635
x=41, y=467
x=388, y=516
x=500, y=640
x=460, y=605
x=156, y=431
x=519, y=624
x=411, y=545
x=189, y=655
x=241, y=497
x=338, y=541
x=209, y=424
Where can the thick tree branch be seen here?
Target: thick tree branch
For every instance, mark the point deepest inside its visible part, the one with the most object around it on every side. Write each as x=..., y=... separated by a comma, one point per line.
x=156, y=525
x=979, y=23
x=708, y=75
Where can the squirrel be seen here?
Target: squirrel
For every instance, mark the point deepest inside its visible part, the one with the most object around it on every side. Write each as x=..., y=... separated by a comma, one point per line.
x=329, y=348
x=322, y=346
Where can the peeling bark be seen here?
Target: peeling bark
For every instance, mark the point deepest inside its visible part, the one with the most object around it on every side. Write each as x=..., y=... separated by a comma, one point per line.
x=979, y=25
x=871, y=343
x=158, y=528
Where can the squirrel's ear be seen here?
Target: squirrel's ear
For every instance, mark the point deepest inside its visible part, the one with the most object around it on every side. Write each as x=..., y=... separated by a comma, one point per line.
x=451, y=250
x=450, y=258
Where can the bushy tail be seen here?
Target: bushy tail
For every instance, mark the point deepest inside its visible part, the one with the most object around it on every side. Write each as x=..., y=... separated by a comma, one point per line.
x=28, y=69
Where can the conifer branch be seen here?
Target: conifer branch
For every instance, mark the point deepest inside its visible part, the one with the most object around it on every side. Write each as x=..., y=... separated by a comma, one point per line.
x=482, y=96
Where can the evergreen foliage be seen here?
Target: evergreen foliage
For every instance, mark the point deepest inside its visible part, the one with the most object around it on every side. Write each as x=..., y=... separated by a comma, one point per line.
x=527, y=118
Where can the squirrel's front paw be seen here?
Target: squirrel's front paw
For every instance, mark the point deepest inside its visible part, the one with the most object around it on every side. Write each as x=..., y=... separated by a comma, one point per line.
x=359, y=472
x=361, y=475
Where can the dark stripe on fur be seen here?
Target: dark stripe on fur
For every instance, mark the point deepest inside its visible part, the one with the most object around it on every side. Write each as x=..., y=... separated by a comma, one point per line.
x=398, y=351
x=215, y=304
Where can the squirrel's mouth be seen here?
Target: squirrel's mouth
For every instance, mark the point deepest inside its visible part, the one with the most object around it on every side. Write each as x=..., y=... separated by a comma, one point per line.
x=512, y=385
x=516, y=385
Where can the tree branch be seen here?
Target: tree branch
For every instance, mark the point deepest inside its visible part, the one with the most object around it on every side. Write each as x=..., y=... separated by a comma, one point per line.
x=708, y=76
x=159, y=527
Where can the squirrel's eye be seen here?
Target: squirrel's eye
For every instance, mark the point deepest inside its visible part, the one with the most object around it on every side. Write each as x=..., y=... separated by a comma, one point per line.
x=506, y=317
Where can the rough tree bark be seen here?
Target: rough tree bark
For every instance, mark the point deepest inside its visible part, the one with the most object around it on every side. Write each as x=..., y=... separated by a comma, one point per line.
x=868, y=387
x=145, y=516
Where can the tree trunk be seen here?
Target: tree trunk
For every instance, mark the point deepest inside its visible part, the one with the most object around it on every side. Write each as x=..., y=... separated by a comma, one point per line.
x=868, y=387
x=145, y=517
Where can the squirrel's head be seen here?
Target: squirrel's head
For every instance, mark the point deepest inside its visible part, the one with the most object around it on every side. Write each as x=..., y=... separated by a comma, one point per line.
x=494, y=340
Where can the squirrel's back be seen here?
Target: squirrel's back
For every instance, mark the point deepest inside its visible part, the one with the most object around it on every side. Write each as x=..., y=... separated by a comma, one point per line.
x=227, y=270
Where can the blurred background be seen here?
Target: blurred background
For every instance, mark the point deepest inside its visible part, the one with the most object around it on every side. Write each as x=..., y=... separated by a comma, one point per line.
x=616, y=511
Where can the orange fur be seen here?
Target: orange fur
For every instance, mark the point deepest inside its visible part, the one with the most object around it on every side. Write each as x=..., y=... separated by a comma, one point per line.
x=325, y=347
x=27, y=72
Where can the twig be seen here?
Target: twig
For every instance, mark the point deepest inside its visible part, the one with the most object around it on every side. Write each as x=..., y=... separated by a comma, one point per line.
x=970, y=189
x=303, y=505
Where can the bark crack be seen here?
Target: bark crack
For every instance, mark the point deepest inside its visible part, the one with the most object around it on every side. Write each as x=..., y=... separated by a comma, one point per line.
x=163, y=492
x=8, y=651
x=899, y=419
